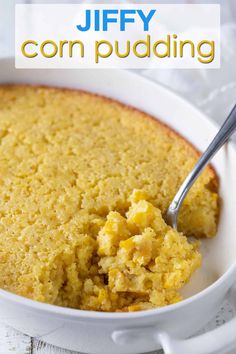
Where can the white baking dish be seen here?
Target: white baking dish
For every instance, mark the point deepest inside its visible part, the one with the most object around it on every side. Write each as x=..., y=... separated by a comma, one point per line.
x=126, y=333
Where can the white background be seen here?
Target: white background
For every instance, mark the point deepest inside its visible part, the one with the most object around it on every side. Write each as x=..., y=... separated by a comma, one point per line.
x=191, y=22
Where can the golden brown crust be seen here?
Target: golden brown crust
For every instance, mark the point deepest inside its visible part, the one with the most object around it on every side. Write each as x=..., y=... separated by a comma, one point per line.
x=169, y=130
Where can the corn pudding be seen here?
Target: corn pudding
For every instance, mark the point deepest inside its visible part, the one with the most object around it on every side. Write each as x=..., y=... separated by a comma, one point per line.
x=84, y=185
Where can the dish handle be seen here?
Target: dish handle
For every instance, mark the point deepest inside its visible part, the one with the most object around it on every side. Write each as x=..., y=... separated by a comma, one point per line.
x=217, y=341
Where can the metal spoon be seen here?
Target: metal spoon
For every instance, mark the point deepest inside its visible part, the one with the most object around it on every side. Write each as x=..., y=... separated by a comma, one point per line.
x=221, y=137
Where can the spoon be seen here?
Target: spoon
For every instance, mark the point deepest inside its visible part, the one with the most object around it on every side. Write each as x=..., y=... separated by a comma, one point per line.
x=219, y=140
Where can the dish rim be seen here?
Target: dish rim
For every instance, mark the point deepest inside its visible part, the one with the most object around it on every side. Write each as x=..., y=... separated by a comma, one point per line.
x=98, y=315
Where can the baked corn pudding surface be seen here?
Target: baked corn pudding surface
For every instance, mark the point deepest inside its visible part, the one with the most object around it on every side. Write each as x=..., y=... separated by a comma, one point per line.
x=84, y=183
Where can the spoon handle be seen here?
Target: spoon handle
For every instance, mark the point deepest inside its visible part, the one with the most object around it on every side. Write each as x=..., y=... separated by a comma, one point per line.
x=221, y=137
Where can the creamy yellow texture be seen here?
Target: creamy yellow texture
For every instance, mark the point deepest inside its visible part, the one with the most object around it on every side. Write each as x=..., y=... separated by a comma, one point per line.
x=142, y=255
x=69, y=162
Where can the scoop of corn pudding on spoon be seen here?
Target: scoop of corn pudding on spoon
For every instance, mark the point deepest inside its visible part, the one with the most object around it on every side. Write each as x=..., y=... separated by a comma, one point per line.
x=142, y=255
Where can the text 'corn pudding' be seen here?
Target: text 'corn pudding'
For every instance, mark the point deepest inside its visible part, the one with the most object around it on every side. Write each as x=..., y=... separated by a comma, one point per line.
x=84, y=184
